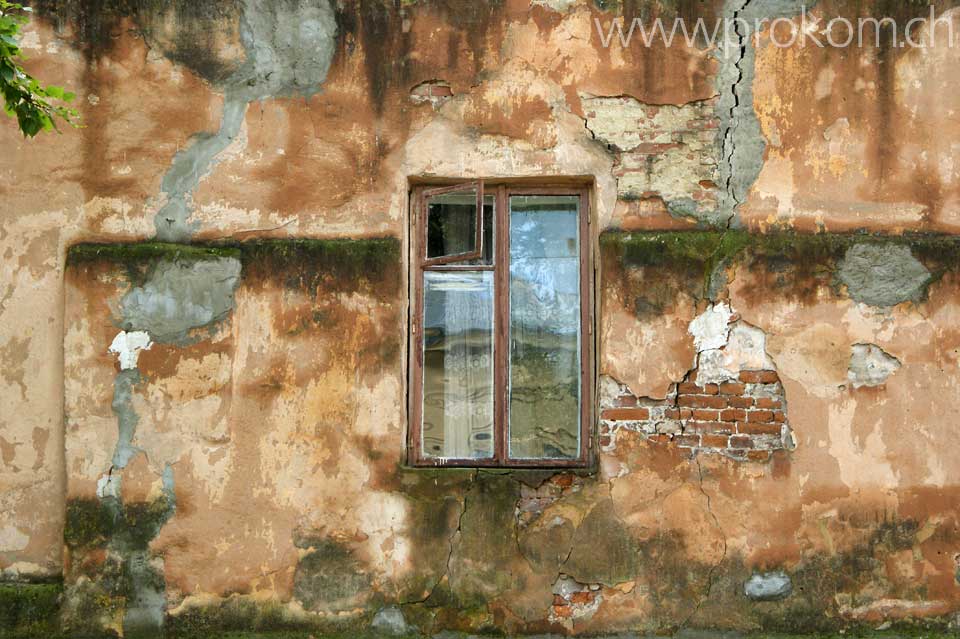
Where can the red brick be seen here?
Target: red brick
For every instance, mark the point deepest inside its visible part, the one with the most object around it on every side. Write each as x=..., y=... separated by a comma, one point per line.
x=559, y=601
x=766, y=402
x=581, y=597
x=671, y=413
x=732, y=388
x=625, y=414
x=741, y=441
x=686, y=413
x=758, y=429
x=626, y=401
x=605, y=440
x=733, y=415
x=705, y=415
x=758, y=455
x=740, y=402
x=779, y=417
x=563, y=480
x=702, y=401
x=688, y=440
x=760, y=416
x=563, y=611
x=715, y=441
x=759, y=377
x=688, y=388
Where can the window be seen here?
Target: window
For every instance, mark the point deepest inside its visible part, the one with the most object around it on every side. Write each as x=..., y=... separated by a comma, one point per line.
x=501, y=333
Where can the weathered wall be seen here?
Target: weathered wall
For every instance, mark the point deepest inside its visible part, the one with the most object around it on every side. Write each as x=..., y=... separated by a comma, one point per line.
x=772, y=404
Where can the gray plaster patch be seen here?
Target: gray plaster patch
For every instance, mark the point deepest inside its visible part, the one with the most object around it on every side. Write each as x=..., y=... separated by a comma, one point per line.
x=883, y=274
x=181, y=295
x=870, y=366
x=289, y=46
x=390, y=621
x=127, y=419
x=742, y=141
x=768, y=586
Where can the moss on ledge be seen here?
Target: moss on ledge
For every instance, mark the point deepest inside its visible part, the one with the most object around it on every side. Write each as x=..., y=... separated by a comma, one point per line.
x=29, y=610
x=698, y=255
x=298, y=261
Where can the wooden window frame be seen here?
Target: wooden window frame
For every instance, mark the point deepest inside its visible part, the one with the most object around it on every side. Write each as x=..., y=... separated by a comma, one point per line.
x=419, y=264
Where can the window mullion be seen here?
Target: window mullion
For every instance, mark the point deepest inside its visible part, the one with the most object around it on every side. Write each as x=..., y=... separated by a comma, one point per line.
x=502, y=323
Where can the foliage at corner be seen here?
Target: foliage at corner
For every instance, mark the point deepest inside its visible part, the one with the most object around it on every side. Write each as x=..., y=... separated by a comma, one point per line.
x=34, y=105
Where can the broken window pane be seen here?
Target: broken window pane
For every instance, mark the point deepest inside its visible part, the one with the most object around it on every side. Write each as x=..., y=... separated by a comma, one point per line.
x=458, y=364
x=544, y=327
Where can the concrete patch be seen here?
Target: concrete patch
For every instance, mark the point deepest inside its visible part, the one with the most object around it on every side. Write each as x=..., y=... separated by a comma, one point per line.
x=883, y=274
x=769, y=586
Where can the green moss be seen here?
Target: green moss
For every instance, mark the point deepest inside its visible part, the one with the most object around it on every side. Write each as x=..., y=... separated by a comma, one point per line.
x=89, y=524
x=699, y=255
x=140, y=252
x=303, y=261
x=29, y=610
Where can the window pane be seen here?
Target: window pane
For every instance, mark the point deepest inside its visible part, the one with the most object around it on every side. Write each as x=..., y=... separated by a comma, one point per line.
x=458, y=364
x=452, y=226
x=544, y=327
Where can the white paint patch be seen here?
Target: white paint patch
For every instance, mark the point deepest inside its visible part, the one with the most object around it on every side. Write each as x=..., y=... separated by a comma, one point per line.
x=12, y=540
x=711, y=329
x=127, y=346
x=108, y=486
x=870, y=366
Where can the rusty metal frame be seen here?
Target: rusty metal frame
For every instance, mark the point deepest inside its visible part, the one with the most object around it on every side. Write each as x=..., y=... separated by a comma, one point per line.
x=500, y=267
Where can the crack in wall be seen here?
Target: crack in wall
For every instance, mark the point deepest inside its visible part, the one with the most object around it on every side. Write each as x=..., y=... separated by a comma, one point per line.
x=711, y=575
x=742, y=141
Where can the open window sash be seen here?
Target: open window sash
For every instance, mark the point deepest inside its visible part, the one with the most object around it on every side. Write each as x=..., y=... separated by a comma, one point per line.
x=435, y=205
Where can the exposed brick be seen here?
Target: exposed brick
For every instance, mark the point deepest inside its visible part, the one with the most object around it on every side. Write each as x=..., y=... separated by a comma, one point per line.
x=766, y=402
x=626, y=414
x=715, y=441
x=563, y=611
x=779, y=417
x=758, y=455
x=671, y=413
x=702, y=401
x=733, y=415
x=686, y=413
x=760, y=416
x=559, y=601
x=626, y=401
x=740, y=402
x=705, y=415
x=758, y=429
x=740, y=441
x=605, y=440
x=688, y=388
x=732, y=388
x=759, y=377
x=688, y=440
x=581, y=597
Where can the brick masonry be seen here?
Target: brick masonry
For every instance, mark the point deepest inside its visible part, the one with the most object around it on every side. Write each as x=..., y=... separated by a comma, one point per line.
x=743, y=419
x=660, y=151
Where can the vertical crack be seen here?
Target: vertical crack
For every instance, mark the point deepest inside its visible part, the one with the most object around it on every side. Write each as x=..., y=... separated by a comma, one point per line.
x=711, y=575
x=728, y=137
